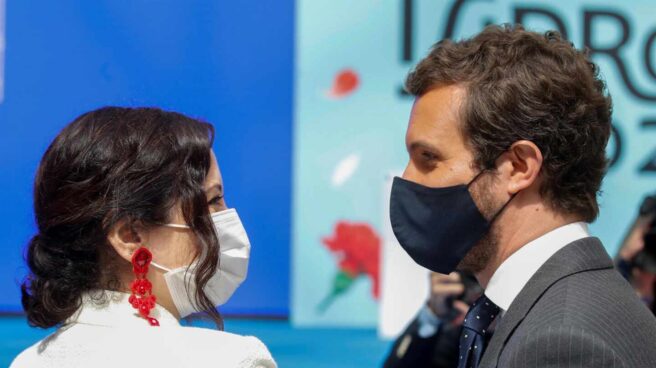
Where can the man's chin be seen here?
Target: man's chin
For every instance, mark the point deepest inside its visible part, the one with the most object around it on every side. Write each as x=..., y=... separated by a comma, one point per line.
x=477, y=259
x=470, y=264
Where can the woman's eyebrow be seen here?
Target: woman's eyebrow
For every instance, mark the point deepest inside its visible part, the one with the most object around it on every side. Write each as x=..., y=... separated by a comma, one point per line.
x=218, y=188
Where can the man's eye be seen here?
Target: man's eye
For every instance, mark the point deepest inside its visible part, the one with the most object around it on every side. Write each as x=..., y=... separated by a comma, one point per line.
x=428, y=156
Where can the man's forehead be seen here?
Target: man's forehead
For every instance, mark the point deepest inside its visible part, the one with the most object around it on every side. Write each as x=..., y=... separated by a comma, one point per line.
x=435, y=114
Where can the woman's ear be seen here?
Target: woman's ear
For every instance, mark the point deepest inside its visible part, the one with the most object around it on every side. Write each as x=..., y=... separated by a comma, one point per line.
x=125, y=239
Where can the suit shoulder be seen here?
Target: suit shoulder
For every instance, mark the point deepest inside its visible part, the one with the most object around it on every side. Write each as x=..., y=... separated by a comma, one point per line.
x=593, y=296
x=595, y=308
x=559, y=346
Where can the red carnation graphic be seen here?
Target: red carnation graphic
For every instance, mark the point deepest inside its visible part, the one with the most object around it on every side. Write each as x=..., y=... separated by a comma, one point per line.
x=357, y=249
x=345, y=83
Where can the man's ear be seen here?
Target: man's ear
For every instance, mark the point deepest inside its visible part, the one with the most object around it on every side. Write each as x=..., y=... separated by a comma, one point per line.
x=125, y=239
x=526, y=162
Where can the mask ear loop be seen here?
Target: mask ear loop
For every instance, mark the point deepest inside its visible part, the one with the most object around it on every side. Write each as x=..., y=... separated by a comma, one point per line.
x=502, y=207
x=177, y=226
x=476, y=177
x=174, y=226
x=486, y=170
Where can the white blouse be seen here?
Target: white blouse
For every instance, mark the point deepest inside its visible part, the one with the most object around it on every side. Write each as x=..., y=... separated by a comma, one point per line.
x=113, y=335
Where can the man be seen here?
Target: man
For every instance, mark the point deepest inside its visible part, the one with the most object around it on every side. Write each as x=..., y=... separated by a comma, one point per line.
x=507, y=142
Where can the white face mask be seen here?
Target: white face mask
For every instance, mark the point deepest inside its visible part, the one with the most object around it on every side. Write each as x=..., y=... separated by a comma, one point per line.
x=234, y=254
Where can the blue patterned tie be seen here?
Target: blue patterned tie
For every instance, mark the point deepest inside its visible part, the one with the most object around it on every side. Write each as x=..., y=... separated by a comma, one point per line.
x=474, y=328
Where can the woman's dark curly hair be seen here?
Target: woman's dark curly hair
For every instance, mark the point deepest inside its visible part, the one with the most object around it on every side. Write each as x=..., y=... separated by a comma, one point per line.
x=108, y=165
x=522, y=85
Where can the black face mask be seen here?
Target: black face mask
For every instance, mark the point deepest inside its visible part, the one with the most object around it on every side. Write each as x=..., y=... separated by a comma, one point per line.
x=436, y=226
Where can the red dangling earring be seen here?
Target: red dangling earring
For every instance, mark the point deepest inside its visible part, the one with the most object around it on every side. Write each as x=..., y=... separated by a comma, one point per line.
x=142, y=298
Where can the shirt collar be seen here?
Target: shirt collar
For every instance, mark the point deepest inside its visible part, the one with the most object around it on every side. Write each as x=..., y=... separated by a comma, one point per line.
x=513, y=274
x=112, y=309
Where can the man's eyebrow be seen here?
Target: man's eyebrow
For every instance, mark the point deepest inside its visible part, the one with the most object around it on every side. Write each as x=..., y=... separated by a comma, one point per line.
x=423, y=144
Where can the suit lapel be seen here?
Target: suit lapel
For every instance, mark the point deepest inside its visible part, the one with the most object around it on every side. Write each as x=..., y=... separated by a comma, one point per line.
x=582, y=255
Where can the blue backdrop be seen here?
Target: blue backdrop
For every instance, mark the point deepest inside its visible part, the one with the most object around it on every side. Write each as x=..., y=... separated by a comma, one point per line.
x=227, y=62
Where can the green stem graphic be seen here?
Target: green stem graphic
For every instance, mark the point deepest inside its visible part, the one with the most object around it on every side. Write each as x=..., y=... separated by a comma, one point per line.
x=341, y=283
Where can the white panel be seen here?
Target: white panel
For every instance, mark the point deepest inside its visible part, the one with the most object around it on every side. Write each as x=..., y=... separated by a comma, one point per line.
x=404, y=284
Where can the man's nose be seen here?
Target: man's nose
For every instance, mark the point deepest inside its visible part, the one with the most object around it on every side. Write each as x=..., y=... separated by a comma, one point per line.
x=410, y=173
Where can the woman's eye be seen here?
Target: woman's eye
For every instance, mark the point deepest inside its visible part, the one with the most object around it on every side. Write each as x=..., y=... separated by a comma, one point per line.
x=216, y=200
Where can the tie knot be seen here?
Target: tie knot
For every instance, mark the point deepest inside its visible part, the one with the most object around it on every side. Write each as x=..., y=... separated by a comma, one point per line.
x=481, y=314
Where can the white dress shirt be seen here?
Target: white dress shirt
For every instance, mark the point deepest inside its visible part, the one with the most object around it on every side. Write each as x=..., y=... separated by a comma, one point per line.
x=513, y=274
x=112, y=334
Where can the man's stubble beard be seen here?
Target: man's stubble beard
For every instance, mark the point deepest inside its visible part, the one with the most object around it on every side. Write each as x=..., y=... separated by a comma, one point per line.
x=484, y=251
x=477, y=259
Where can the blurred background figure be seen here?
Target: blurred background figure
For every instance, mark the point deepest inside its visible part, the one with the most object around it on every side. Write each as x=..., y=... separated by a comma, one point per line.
x=431, y=339
x=636, y=259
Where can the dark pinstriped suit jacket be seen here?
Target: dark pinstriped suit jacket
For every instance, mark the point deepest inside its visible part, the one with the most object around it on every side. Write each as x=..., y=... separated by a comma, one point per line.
x=576, y=311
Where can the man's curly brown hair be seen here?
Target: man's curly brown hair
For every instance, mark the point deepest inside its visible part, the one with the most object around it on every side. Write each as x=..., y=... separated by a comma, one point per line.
x=522, y=85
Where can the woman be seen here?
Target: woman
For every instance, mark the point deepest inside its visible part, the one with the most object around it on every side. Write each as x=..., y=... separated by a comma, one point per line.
x=133, y=235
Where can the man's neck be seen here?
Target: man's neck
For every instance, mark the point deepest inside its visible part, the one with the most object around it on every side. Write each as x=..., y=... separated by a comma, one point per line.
x=515, y=230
